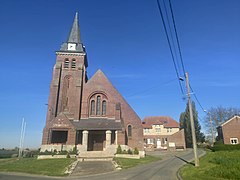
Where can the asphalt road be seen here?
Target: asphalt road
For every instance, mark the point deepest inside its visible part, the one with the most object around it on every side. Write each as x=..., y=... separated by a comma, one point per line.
x=165, y=169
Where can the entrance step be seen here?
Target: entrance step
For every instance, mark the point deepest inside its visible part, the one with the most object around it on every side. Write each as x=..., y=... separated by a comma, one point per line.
x=95, y=156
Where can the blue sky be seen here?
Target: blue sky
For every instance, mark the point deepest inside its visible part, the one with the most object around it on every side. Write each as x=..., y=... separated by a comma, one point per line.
x=126, y=40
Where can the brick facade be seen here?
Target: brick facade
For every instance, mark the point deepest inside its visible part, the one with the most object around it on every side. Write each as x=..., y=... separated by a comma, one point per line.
x=74, y=98
x=229, y=131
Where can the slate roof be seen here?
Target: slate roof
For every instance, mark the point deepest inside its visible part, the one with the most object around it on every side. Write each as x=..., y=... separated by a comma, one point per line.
x=97, y=124
x=74, y=37
x=166, y=121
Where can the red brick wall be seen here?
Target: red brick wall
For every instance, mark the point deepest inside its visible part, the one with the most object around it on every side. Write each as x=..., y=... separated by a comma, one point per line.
x=121, y=138
x=100, y=84
x=73, y=93
x=178, y=138
x=231, y=130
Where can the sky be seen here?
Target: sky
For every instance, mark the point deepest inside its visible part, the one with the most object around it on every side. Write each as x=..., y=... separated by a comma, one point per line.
x=126, y=40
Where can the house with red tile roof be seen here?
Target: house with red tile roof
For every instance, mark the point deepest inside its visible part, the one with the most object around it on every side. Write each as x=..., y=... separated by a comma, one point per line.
x=162, y=132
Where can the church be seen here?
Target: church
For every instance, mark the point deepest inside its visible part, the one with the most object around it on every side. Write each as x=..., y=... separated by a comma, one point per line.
x=87, y=114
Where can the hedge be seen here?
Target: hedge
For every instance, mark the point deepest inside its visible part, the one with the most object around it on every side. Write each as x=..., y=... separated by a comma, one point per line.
x=225, y=147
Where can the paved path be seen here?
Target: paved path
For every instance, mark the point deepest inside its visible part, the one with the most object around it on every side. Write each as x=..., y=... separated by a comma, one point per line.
x=90, y=167
x=165, y=169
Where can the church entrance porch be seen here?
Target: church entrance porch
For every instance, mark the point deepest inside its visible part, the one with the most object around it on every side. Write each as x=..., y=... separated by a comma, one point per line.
x=96, y=140
x=97, y=144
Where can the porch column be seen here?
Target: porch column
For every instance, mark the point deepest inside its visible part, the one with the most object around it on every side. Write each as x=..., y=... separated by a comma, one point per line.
x=85, y=140
x=108, y=138
x=116, y=138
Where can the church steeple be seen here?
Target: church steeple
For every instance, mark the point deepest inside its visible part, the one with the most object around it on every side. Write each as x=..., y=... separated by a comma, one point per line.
x=73, y=43
x=74, y=35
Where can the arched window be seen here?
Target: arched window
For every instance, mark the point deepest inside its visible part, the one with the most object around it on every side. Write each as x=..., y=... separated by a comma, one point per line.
x=66, y=63
x=92, y=110
x=104, y=108
x=98, y=105
x=129, y=130
x=73, y=64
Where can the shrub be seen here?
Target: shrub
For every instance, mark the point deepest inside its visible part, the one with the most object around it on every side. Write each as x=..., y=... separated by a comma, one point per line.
x=219, y=142
x=68, y=155
x=119, y=150
x=129, y=151
x=225, y=147
x=46, y=152
x=135, y=151
x=124, y=152
x=73, y=151
x=63, y=152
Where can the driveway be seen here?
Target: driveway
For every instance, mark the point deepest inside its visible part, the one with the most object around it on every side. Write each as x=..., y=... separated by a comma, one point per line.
x=165, y=169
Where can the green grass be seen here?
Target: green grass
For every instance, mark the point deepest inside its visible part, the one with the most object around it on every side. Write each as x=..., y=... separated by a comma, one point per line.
x=50, y=167
x=126, y=163
x=214, y=165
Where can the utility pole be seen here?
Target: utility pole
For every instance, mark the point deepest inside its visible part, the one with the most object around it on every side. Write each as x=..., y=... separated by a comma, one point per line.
x=192, y=122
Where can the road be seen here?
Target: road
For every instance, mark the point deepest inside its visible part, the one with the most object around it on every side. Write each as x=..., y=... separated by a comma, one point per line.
x=165, y=169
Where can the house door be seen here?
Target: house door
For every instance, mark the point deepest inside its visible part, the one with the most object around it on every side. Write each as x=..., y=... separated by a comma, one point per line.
x=158, y=143
x=96, y=140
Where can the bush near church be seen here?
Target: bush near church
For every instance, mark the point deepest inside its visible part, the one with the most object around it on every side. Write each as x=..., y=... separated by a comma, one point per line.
x=225, y=147
x=129, y=151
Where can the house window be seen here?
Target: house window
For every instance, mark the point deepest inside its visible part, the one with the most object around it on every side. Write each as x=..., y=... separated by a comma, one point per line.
x=104, y=108
x=146, y=130
x=234, y=140
x=98, y=105
x=169, y=130
x=66, y=63
x=73, y=64
x=158, y=130
x=129, y=131
x=150, y=141
x=164, y=140
x=92, y=111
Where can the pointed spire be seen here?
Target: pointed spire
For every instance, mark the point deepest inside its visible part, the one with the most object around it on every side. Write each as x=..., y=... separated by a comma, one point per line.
x=74, y=35
x=73, y=43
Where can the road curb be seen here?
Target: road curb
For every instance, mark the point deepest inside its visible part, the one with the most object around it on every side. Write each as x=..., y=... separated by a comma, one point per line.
x=178, y=171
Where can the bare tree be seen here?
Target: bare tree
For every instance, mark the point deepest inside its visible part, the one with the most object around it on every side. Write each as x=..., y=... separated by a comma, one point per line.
x=219, y=115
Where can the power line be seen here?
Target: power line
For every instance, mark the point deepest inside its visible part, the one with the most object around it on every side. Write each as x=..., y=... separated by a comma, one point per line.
x=170, y=32
x=169, y=44
x=178, y=45
x=180, y=52
x=194, y=94
x=176, y=34
x=153, y=87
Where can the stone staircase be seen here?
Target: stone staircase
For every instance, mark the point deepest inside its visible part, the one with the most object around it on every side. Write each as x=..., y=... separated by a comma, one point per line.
x=95, y=156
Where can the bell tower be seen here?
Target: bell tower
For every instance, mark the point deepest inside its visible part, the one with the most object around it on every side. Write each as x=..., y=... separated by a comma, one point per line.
x=69, y=77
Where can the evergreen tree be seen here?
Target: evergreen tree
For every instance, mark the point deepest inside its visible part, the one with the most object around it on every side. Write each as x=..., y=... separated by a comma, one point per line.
x=186, y=125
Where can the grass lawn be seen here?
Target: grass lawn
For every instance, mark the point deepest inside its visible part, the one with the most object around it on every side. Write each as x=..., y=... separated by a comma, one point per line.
x=50, y=167
x=215, y=165
x=126, y=163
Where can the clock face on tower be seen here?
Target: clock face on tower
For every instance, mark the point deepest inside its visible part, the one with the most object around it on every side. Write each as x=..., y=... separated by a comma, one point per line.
x=71, y=46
